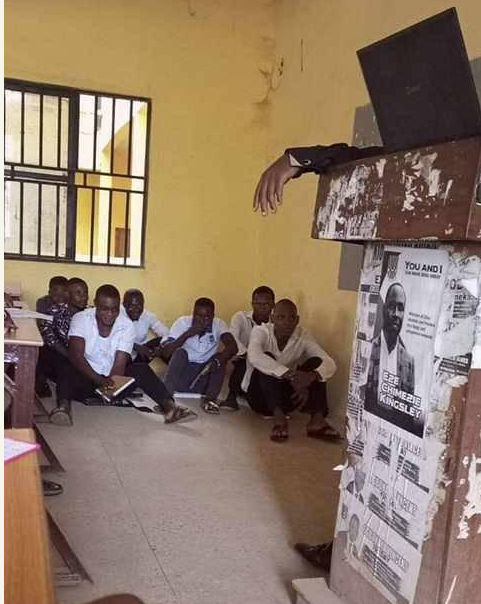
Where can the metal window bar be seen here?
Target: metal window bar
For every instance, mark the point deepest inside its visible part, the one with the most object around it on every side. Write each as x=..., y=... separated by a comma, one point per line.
x=131, y=123
x=127, y=236
x=21, y=219
x=59, y=131
x=109, y=230
x=92, y=224
x=22, y=128
x=40, y=130
x=39, y=220
x=94, y=156
x=66, y=176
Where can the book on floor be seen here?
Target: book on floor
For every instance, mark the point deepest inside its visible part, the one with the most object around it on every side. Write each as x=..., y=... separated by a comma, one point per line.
x=121, y=382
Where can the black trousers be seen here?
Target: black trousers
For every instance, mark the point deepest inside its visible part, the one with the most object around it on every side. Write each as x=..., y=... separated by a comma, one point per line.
x=266, y=393
x=51, y=364
x=73, y=384
x=237, y=376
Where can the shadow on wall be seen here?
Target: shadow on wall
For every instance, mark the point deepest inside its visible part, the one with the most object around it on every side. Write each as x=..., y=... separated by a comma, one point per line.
x=366, y=134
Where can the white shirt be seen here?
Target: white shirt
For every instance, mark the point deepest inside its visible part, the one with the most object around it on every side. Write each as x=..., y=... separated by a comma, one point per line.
x=146, y=322
x=100, y=352
x=199, y=349
x=387, y=360
x=241, y=327
x=300, y=347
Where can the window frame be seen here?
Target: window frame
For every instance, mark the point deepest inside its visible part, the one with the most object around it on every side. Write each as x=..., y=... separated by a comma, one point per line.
x=72, y=170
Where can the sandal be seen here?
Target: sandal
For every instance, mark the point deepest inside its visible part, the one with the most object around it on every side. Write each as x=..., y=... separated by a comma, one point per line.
x=61, y=416
x=279, y=433
x=51, y=488
x=181, y=414
x=210, y=407
x=327, y=432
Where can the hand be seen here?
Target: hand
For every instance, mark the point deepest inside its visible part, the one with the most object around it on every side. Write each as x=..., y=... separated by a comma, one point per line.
x=302, y=380
x=195, y=330
x=221, y=358
x=105, y=383
x=269, y=190
x=300, y=397
x=145, y=351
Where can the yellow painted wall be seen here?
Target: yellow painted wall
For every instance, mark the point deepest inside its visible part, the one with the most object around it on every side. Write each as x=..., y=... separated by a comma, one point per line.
x=206, y=65
x=199, y=63
x=316, y=106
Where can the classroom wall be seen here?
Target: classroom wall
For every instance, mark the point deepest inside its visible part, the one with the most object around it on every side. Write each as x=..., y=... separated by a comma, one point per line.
x=233, y=83
x=314, y=102
x=199, y=61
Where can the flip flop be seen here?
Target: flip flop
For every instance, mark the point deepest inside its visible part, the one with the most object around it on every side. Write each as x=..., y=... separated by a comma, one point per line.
x=327, y=433
x=61, y=417
x=210, y=407
x=51, y=488
x=279, y=433
x=180, y=415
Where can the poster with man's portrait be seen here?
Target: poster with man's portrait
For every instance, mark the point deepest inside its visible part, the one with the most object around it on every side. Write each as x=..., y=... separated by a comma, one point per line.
x=402, y=349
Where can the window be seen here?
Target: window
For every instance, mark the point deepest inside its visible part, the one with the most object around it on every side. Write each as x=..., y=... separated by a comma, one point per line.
x=76, y=175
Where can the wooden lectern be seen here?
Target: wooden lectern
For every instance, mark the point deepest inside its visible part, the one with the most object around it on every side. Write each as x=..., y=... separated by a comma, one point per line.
x=409, y=519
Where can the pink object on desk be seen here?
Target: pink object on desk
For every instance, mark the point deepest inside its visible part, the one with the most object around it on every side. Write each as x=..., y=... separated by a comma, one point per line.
x=13, y=449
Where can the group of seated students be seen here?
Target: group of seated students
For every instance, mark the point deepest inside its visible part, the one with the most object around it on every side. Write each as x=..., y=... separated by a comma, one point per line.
x=277, y=366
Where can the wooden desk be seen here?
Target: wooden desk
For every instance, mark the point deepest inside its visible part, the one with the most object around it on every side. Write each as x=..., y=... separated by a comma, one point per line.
x=28, y=575
x=21, y=347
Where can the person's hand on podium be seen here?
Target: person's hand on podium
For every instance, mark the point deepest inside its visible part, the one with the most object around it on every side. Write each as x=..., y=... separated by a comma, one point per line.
x=268, y=194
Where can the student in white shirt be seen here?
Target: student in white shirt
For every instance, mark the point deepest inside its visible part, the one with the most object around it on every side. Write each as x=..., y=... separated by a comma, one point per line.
x=287, y=370
x=193, y=344
x=144, y=321
x=100, y=343
x=263, y=301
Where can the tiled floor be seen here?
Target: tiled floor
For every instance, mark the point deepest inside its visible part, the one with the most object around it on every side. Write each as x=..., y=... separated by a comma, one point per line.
x=204, y=513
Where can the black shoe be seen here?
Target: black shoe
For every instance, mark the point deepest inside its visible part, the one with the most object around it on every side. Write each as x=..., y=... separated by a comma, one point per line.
x=230, y=404
x=51, y=488
x=42, y=390
x=318, y=555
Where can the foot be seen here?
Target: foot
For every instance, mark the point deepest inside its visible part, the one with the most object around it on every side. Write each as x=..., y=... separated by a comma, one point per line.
x=177, y=414
x=42, y=390
x=51, y=488
x=318, y=555
x=62, y=414
x=320, y=429
x=210, y=406
x=279, y=433
x=230, y=403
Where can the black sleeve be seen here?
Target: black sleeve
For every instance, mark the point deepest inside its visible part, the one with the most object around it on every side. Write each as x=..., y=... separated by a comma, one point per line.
x=317, y=159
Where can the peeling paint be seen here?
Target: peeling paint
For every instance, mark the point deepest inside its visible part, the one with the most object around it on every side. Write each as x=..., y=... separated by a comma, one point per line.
x=472, y=506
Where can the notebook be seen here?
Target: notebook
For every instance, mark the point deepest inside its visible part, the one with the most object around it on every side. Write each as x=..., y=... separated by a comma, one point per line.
x=13, y=449
x=121, y=382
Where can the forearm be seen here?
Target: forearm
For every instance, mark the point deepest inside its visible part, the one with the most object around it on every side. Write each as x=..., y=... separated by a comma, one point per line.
x=60, y=348
x=230, y=347
x=83, y=366
x=319, y=158
x=170, y=347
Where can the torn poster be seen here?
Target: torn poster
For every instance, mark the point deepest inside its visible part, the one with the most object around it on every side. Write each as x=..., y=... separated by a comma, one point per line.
x=411, y=299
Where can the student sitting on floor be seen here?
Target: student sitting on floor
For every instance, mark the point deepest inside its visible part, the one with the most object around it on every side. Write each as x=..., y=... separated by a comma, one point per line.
x=196, y=364
x=57, y=294
x=287, y=370
x=53, y=356
x=263, y=301
x=144, y=321
x=100, y=343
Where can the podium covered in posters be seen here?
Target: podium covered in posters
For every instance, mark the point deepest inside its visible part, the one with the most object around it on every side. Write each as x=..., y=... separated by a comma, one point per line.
x=409, y=518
